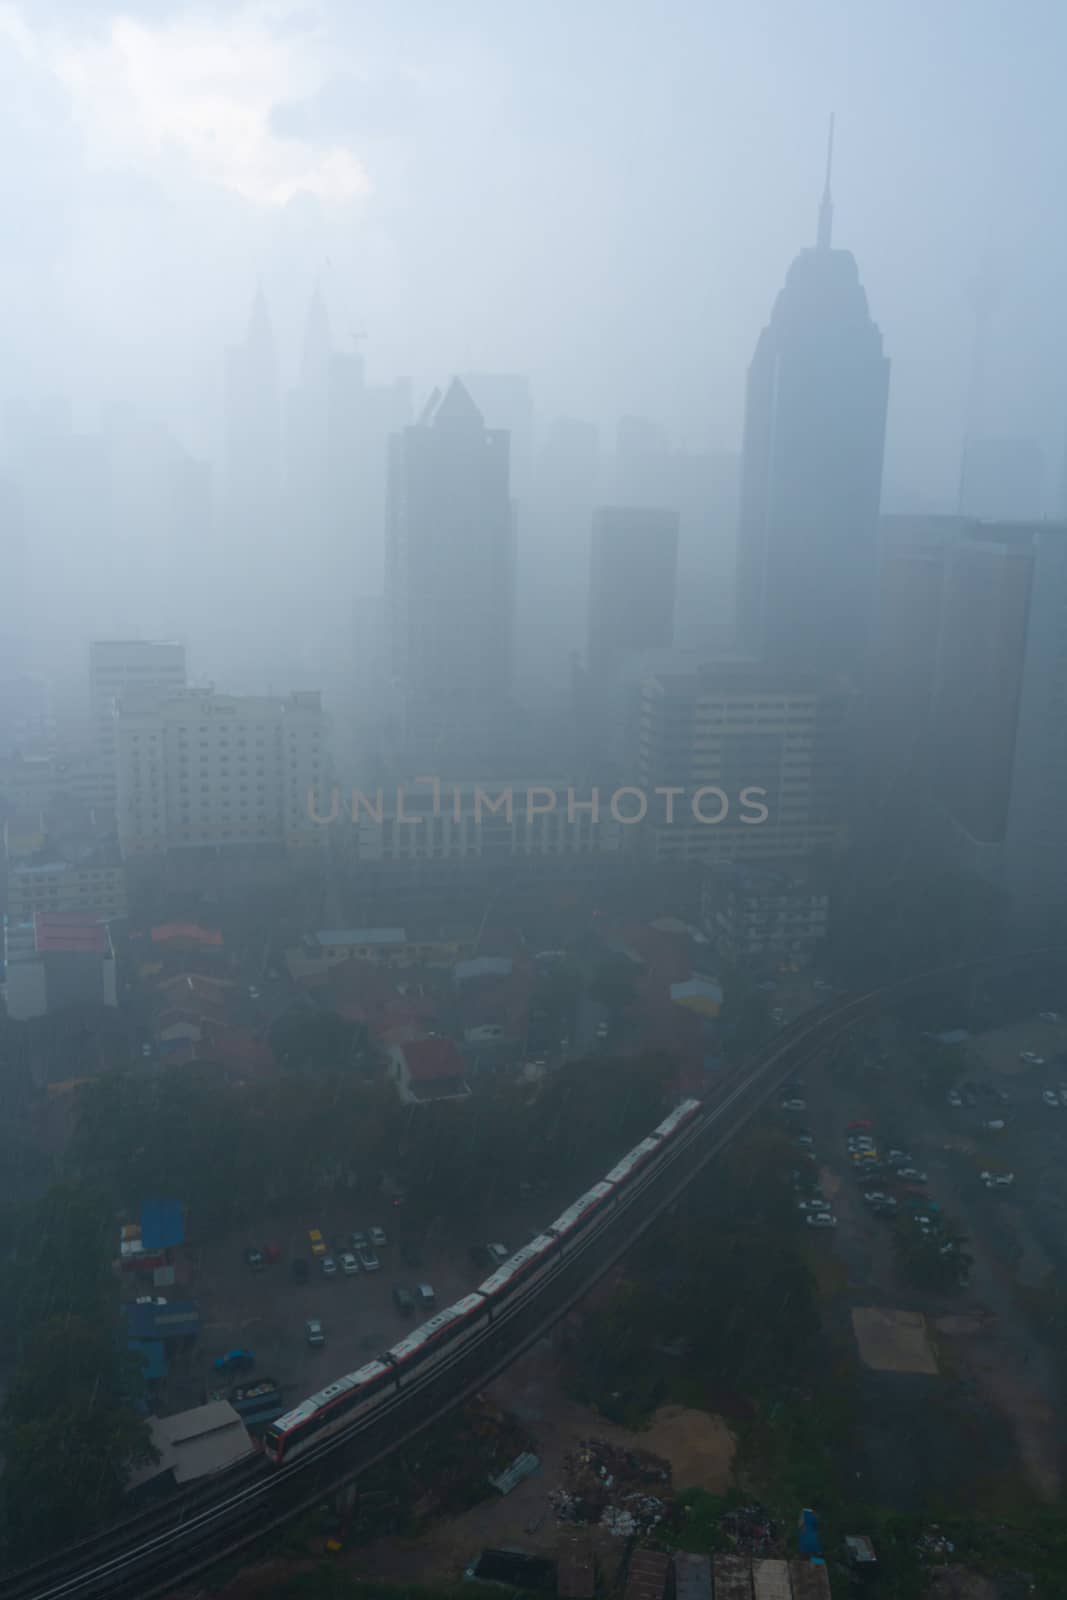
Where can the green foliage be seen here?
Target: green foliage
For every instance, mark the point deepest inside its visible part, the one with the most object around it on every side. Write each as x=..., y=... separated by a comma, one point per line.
x=321, y=1041
x=68, y=1433
x=922, y=1260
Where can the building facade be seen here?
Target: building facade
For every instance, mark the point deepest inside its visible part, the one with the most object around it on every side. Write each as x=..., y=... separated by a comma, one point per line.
x=759, y=918
x=633, y=580
x=767, y=757
x=811, y=472
x=117, y=669
x=450, y=585
x=205, y=771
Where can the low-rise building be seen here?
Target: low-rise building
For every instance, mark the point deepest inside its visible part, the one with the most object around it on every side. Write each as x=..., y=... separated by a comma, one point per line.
x=43, y=880
x=427, y=1069
x=759, y=917
x=195, y=1444
x=57, y=960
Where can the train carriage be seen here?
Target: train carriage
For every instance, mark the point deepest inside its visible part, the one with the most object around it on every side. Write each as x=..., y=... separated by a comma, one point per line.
x=634, y=1161
x=334, y=1408
x=520, y=1270
x=437, y=1337
x=572, y=1223
x=679, y=1118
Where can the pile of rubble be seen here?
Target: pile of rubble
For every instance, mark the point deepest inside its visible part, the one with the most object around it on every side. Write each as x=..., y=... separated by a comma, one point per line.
x=751, y=1529
x=612, y=1488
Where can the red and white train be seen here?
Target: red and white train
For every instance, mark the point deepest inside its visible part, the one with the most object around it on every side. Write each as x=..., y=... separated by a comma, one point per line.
x=355, y=1397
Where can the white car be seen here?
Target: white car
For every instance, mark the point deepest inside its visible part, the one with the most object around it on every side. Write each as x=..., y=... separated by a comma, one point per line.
x=1031, y=1059
x=377, y=1237
x=1051, y=1098
x=349, y=1264
x=328, y=1267
x=601, y=1030
x=1050, y=1016
x=821, y=1219
x=997, y=1180
x=150, y=1300
x=813, y=1205
x=794, y=1105
x=253, y=992
x=955, y=1099
x=911, y=1174
x=995, y=1125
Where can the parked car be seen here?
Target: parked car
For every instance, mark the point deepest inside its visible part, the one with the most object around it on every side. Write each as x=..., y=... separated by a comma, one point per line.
x=1031, y=1059
x=1051, y=1098
x=314, y=1331
x=299, y=1270
x=860, y=1125
x=255, y=1259
x=912, y=1174
x=804, y=1140
x=403, y=1299
x=146, y=1051
x=601, y=1030
x=778, y=1015
x=150, y=1300
x=955, y=1099
x=1050, y=1016
x=813, y=1205
x=317, y=1242
x=821, y=1219
x=997, y=1180
x=358, y=1241
x=995, y=1125
x=348, y=1263
x=235, y=1361
x=368, y=1260
x=329, y=1267
x=253, y=992
x=794, y=1105
x=898, y=1158
x=425, y=1298
x=378, y=1238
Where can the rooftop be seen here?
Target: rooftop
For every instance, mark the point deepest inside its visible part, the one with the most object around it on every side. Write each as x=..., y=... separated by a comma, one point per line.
x=70, y=932
x=353, y=936
x=193, y=1444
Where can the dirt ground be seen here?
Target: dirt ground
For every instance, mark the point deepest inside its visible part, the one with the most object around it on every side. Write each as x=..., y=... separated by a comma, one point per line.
x=698, y=1445
x=893, y=1341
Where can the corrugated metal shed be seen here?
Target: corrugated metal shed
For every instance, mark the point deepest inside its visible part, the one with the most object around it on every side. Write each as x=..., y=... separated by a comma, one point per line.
x=194, y=1444
x=733, y=1578
x=692, y=1576
x=162, y=1224
x=770, y=1580
x=811, y=1581
x=647, y=1577
x=576, y=1572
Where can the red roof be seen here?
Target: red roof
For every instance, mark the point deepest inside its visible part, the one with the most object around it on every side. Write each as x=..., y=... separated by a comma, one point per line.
x=186, y=930
x=431, y=1059
x=69, y=931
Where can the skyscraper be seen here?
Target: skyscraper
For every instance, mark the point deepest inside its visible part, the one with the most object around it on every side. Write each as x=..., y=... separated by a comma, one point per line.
x=811, y=476
x=450, y=584
x=633, y=574
x=253, y=436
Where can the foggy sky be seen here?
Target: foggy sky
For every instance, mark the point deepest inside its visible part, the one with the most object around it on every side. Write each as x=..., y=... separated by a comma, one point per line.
x=604, y=194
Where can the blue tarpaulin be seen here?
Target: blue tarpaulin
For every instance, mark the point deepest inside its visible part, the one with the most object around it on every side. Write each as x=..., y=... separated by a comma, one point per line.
x=162, y=1224
x=176, y=1320
x=155, y=1357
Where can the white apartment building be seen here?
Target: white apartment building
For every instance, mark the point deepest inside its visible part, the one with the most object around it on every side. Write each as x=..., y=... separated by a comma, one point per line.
x=200, y=770
x=118, y=667
x=62, y=886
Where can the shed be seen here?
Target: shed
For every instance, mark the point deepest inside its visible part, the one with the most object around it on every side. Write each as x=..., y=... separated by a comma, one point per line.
x=811, y=1581
x=197, y=1443
x=576, y=1573
x=647, y=1577
x=733, y=1578
x=692, y=1576
x=770, y=1580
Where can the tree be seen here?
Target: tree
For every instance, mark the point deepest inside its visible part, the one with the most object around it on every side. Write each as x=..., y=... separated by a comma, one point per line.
x=319, y=1041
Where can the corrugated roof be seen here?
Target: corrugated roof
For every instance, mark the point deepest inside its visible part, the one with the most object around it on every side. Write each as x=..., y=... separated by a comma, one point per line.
x=347, y=936
x=194, y=1444
x=431, y=1059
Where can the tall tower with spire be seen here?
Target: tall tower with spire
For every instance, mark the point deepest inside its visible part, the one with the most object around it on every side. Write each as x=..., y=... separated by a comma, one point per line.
x=253, y=432
x=811, y=471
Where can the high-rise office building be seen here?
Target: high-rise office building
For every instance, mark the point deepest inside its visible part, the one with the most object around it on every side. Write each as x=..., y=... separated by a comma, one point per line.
x=736, y=729
x=999, y=708
x=633, y=578
x=814, y=437
x=253, y=437
x=1002, y=480
x=450, y=584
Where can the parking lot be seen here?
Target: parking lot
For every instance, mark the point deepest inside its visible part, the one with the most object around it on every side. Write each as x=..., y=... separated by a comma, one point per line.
x=266, y=1311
